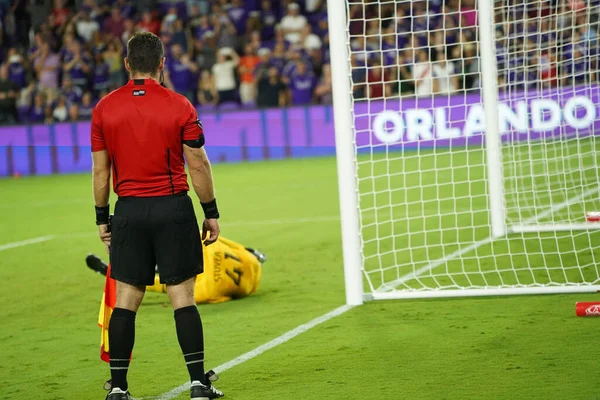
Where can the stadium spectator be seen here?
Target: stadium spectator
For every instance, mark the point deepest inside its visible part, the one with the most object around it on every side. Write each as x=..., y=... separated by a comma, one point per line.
x=169, y=20
x=181, y=72
x=301, y=84
x=293, y=23
x=254, y=25
x=468, y=14
x=98, y=43
x=323, y=91
x=207, y=92
x=548, y=69
x=205, y=51
x=113, y=57
x=359, y=77
x=78, y=65
x=72, y=93
x=87, y=106
x=181, y=35
x=199, y=24
x=265, y=61
x=269, y=20
x=377, y=85
x=101, y=74
x=17, y=72
x=86, y=26
x=254, y=39
x=9, y=91
x=114, y=25
x=313, y=6
x=60, y=14
x=225, y=32
x=309, y=40
x=148, y=23
x=128, y=30
x=60, y=112
x=272, y=92
x=224, y=74
x=247, y=66
x=576, y=69
x=38, y=109
x=48, y=115
x=422, y=75
x=471, y=67
x=47, y=64
x=238, y=15
x=74, y=113
x=446, y=80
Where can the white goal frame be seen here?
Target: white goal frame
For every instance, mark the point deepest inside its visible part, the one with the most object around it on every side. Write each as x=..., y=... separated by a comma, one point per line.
x=347, y=169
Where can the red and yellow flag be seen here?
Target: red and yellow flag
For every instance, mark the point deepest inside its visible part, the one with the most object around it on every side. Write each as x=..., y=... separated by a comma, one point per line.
x=109, y=300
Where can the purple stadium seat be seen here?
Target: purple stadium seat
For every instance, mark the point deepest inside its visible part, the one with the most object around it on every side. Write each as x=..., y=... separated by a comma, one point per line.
x=228, y=106
x=23, y=114
x=205, y=108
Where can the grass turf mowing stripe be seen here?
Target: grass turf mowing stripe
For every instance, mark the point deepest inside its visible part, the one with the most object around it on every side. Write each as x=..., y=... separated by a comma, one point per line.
x=262, y=349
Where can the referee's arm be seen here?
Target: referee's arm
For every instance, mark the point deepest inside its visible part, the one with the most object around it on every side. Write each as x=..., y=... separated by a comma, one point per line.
x=202, y=181
x=100, y=177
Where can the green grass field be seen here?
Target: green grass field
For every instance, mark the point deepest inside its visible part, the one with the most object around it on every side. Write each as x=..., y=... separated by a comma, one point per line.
x=522, y=347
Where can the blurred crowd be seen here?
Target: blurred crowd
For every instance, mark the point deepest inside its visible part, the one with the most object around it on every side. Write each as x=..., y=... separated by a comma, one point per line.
x=422, y=48
x=59, y=57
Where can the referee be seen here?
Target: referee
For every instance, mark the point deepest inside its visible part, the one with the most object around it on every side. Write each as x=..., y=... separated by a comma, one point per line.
x=142, y=131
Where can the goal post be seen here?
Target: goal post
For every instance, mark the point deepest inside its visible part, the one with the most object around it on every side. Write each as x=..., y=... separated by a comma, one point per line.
x=489, y=89
x=345, y=153
x=467, y=149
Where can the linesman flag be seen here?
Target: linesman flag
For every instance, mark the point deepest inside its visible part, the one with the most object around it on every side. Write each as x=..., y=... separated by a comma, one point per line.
x=109, y=300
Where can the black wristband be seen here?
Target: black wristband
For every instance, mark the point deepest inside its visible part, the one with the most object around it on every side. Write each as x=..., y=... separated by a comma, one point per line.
x=102, y=214
x=210, y=209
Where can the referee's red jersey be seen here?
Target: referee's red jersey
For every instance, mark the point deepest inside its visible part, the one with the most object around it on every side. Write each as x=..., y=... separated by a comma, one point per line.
x=142, y=126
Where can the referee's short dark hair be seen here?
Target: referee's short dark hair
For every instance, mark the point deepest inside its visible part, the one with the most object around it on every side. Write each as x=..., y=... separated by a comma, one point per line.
x=144, y=53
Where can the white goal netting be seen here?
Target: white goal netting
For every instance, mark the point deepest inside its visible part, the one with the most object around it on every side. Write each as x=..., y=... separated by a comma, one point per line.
x=420, y=140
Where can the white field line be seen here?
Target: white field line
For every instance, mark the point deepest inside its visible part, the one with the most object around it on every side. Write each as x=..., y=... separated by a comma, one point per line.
x=262, y=349
x=27, y=242
x=536, y=218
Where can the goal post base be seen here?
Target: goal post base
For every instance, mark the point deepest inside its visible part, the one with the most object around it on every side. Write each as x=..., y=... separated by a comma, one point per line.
x=553, y=227
x=398, y=295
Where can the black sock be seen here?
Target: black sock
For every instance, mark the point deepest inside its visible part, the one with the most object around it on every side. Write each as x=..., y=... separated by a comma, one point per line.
x=121, y=336
x=191, y=340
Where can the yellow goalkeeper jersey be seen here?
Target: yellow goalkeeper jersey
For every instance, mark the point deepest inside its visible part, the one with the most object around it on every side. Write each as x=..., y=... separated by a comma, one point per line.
x=230, y=272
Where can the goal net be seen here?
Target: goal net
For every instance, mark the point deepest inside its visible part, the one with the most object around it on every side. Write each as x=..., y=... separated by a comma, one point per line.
x=452, y=205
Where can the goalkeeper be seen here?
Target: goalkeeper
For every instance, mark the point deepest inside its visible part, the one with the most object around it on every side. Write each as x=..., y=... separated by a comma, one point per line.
x=231, y=271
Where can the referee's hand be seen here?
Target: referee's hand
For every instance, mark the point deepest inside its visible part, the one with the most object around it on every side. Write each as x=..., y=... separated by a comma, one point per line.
x=104, y=235
x=210, y=231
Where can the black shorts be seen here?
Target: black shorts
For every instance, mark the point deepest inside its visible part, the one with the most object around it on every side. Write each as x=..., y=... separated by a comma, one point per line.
x=155, y=231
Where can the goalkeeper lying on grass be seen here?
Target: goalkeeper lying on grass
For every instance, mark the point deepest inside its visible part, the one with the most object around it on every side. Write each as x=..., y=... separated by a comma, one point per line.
x=231, y=271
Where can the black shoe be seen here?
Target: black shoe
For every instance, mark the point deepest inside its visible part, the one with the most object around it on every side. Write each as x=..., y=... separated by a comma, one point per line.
x=118, y=394
x=200, y=391
x=261, y=257
x=96, y=264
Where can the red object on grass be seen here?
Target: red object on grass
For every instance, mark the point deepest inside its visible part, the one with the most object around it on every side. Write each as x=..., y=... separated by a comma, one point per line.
x=587, y=309
x=592, y=216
